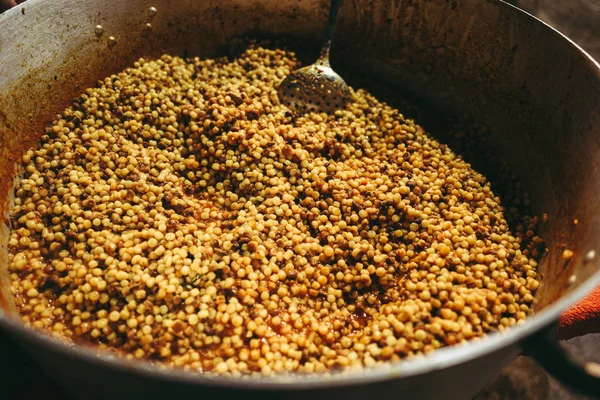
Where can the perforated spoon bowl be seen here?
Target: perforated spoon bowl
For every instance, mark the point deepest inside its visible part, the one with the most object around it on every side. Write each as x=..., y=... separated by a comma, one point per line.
x=317, y=87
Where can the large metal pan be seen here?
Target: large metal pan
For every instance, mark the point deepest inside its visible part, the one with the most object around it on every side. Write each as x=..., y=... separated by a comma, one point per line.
x=538, y=91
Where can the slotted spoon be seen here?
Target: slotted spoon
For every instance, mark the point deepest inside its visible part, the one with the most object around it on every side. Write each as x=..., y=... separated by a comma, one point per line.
x=317, y=87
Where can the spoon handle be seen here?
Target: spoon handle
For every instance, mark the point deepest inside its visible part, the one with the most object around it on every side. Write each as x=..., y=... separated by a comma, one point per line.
x=333, y=13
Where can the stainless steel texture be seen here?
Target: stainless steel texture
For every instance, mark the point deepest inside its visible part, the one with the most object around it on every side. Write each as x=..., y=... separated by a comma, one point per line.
x=317, y=86
x=538, y=92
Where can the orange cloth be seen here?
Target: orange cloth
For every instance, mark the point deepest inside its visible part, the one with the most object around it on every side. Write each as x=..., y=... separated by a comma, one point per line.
x=582, y=318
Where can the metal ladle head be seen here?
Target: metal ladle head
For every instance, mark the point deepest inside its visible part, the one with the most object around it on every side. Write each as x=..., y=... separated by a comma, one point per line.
x=317, y=87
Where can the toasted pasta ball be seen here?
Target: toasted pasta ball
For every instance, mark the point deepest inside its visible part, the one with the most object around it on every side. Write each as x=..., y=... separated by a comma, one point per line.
x=178, y=212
